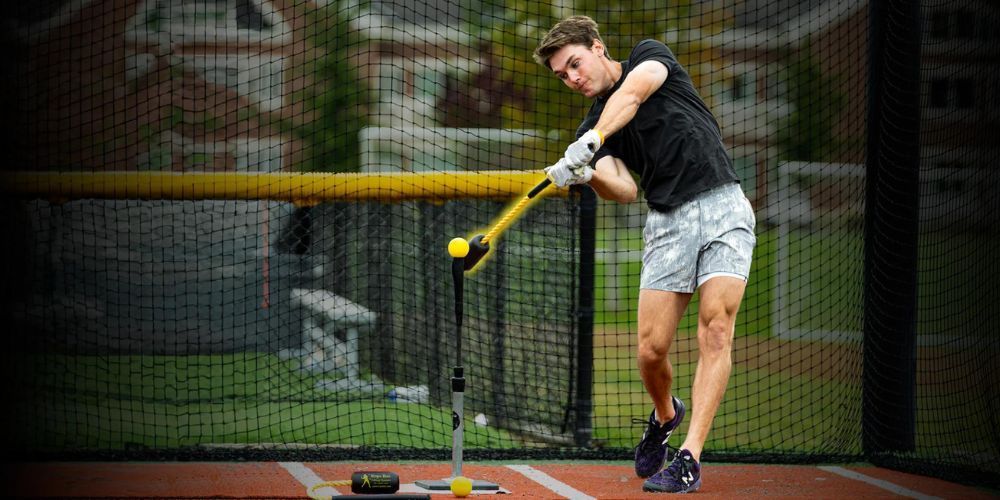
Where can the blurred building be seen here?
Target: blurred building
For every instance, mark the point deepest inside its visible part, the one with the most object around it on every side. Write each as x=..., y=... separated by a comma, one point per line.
x=224, y=65
x=958, y=111
x=204, y=84
x=161, y=85
x=751, y=93
x=438, y=89
x=155, y=84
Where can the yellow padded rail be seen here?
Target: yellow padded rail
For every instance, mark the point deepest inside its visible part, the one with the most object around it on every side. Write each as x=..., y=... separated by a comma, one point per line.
x=301, y=188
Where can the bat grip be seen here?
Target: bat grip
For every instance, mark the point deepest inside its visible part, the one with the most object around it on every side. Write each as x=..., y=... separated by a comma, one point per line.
x=538, y=189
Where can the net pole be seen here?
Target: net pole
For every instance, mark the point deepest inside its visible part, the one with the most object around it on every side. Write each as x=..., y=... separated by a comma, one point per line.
x=892, y=207
x=585, y=318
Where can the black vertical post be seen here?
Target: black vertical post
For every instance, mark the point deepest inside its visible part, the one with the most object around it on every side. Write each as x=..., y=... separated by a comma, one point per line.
x=585, y=318
x=498, y=333
x=891, y=224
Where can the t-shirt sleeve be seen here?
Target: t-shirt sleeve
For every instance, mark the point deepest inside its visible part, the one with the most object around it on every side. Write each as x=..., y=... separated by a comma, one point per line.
x=652, y=50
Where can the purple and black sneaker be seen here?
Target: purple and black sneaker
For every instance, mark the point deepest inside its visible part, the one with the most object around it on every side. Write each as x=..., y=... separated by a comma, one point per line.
x=683, y=475
x=652, y=449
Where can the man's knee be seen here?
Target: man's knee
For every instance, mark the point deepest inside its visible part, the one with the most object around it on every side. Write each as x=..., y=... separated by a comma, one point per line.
x=651, y=352
x=715, y=336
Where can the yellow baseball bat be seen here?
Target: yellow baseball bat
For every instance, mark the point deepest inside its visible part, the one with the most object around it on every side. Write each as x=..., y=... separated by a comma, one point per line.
x=479, y=245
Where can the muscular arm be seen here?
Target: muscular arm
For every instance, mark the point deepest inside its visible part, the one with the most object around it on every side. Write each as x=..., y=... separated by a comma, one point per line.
x=612, y=181
x=621, y=107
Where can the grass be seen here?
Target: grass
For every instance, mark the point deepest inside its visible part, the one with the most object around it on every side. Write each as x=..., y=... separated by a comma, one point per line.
x=112, y=402
x=771, y=410
x=115, y=424
x=175, y=401
x=117, y=402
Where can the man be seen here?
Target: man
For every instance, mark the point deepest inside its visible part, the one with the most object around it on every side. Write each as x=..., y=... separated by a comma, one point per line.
x=647, y=118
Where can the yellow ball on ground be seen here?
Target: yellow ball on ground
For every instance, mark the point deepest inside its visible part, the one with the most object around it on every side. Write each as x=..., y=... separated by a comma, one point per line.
x=461, y=486
x=458, y=248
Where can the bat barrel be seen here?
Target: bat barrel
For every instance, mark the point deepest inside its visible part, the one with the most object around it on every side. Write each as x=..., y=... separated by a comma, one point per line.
x=477, y=249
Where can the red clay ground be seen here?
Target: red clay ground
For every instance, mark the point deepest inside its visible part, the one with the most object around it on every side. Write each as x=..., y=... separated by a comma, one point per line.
x=546, y=480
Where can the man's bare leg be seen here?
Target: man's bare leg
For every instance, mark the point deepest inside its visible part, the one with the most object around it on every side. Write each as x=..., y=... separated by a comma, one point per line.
x=659, y=314
x=719, y=301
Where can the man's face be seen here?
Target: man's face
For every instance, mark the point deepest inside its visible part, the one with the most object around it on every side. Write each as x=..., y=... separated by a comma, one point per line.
x=581, y=68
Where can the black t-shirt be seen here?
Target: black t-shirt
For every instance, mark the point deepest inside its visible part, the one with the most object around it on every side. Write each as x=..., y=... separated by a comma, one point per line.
x=673, y=143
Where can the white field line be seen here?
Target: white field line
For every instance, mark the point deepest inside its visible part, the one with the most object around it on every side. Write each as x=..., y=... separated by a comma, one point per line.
x=560, y=488
x=308, y=478
x=885, y=485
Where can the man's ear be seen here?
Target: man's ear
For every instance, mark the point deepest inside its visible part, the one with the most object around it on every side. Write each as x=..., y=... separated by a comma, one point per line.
x=598, y=47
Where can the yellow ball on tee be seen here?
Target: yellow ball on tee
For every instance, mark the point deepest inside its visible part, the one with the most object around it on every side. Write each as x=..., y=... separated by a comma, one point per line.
x=461, y=486
x=458, y=248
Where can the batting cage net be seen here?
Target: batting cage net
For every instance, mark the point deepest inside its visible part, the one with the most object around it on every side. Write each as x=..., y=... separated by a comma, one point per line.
x=227, y=225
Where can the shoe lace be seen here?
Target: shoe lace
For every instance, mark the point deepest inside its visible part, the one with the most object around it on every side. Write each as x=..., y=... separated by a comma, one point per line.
x=678, y=468
x=649, y=444
x=645, y=444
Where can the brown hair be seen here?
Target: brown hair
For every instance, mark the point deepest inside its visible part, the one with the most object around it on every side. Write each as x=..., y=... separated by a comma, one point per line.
x=575, y=30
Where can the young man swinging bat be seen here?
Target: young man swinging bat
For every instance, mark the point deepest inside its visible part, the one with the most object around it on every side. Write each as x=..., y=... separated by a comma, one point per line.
x=648, y=119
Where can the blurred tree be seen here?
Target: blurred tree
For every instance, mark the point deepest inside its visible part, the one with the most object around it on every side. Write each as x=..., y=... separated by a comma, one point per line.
x=520, y=25
x=335, y=94
x=478, y=99
x=624, y=23
x=512, y=91
x=806, y=134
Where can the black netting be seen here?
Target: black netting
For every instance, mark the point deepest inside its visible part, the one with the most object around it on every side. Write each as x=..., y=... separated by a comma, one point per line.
x=191, y=322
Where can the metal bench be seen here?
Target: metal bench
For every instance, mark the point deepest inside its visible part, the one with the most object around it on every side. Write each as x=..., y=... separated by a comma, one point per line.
x=325, y=314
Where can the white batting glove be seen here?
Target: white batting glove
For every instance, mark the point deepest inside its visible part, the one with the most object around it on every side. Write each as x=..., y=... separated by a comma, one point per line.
x=562, y=175
x=582, y=151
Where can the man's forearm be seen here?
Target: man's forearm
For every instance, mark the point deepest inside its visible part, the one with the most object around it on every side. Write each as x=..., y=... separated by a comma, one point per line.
x=619, y=110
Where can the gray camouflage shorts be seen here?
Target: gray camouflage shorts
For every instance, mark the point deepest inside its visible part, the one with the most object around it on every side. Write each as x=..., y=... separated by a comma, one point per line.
x=711, y=235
